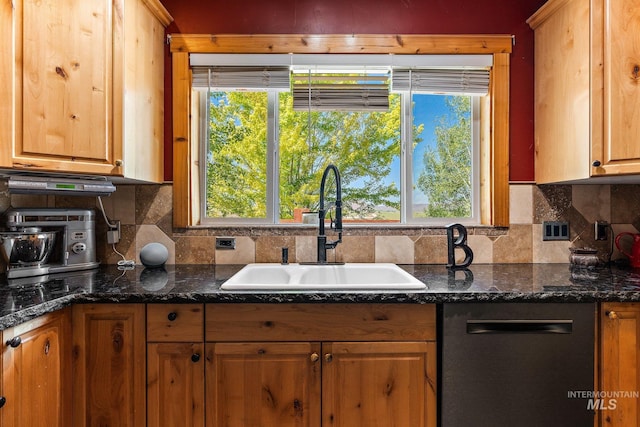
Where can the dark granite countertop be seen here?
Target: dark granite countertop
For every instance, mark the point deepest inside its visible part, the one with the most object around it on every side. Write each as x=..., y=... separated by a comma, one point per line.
x=24, y=299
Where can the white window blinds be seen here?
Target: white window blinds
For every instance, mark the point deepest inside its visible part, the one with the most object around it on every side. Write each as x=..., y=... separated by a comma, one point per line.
x=331, y=91
x=241, y=78
x=453, y=81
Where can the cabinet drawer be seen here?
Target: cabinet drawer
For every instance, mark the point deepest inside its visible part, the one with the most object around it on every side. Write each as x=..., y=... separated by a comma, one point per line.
x=175, y=322
x=320, y=322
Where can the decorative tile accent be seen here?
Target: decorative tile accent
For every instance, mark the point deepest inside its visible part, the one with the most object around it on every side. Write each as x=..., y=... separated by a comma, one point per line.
x=305, y=249
x=126, y=246
x=121, y=205
x=29, y=201
x=356, y=249
x=521, y=204
x=592, y=201
x=153, y=202
x=515, y=247
x=269, y=248
x=430, y=250
x=625, y=205
x=195, y=250
x=549, y=251
x=244, y=253
x=482, y=248
x=150, y=233
x=395, y=249
x=550, y=202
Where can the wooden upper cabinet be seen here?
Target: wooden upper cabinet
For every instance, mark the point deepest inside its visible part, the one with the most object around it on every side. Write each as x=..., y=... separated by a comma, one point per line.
x=587, y=90
x=85, y=88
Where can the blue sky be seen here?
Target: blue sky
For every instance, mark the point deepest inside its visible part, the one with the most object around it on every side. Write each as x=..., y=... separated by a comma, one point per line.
x=427, y=110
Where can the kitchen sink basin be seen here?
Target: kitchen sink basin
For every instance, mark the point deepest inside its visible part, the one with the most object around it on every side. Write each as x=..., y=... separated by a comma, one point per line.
x=333, y=277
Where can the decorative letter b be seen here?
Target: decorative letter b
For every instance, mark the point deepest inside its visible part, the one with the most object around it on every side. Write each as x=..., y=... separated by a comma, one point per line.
x=459, y=242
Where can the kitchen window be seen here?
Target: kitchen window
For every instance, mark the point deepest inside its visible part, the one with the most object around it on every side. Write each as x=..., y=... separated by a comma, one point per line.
x=405, y=138
x=491, y=111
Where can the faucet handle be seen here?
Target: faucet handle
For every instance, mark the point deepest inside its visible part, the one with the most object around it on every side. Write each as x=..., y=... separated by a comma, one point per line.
x=336, y=224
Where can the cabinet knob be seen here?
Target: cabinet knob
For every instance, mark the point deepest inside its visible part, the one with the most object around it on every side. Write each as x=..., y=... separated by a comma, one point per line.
x=195, y=357
x=172, y=316
x=612, y=315
x=3, y=400
x=596, y=163
x=328, y=357
x=14, y=342
x=314, y=357
x=118, y=163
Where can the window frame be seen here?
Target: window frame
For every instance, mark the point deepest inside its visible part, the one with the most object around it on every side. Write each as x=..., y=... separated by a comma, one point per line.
x=494, y=131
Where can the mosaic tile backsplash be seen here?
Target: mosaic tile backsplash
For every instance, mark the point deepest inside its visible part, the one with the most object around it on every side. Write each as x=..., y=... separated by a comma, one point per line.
x=145, y=215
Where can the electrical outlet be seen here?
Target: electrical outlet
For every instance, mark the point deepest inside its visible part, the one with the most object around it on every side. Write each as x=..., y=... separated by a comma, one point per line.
x=601, y=230
x=226, y=243
x=113, y=235
x=555, y=230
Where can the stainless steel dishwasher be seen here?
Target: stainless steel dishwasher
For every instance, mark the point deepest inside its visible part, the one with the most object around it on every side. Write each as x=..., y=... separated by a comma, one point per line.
x=515, y=364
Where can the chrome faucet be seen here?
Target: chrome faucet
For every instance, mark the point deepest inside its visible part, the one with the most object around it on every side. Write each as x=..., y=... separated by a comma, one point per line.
x=336, y=224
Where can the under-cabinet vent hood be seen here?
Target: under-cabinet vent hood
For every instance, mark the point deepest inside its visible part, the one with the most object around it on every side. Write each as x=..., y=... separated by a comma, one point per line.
x=60, y=185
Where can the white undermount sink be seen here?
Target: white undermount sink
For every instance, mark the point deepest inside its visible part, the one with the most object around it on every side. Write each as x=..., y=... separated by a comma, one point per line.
x=350, y=276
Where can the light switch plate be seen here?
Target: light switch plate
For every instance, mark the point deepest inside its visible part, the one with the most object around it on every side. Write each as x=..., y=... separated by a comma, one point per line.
x=555, y=230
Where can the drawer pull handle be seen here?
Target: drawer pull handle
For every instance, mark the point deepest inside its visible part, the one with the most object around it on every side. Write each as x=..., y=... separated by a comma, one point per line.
x=328, y=357
x=195, y=357
x=314, y=357
x=172, y=316
x=14, y=342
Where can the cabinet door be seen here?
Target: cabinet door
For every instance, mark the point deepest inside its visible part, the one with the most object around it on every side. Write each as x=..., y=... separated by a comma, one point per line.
x=36, y=372
x=378, y=384
x=616, y=26
x=109, y=368
x=175, y=384
x=562, y=91
x=620, y=363
x=64, y=84
x=263, y=384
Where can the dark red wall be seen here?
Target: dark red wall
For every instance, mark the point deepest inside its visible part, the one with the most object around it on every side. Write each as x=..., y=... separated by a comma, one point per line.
x=376, y=17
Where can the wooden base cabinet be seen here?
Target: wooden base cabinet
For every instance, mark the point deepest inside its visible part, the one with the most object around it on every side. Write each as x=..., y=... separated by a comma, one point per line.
x=263, y=384
x=587, y=90
x=378, y=384
x=82, y=85
x=620, y=363
x=175, y=365
x=312, y=365
x=109, y=365
x=175, y=384
x=36, y=374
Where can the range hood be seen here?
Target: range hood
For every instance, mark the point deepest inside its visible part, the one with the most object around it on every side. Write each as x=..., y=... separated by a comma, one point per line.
x=60, y=185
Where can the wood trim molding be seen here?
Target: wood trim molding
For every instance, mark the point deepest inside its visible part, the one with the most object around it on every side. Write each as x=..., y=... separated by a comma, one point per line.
x=341, y=43
x=500, y=46
x=499, y=171
x=159, y=11
x=181, y=140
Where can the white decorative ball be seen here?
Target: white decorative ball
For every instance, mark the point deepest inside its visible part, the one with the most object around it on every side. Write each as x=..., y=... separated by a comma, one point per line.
x=154, y=255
